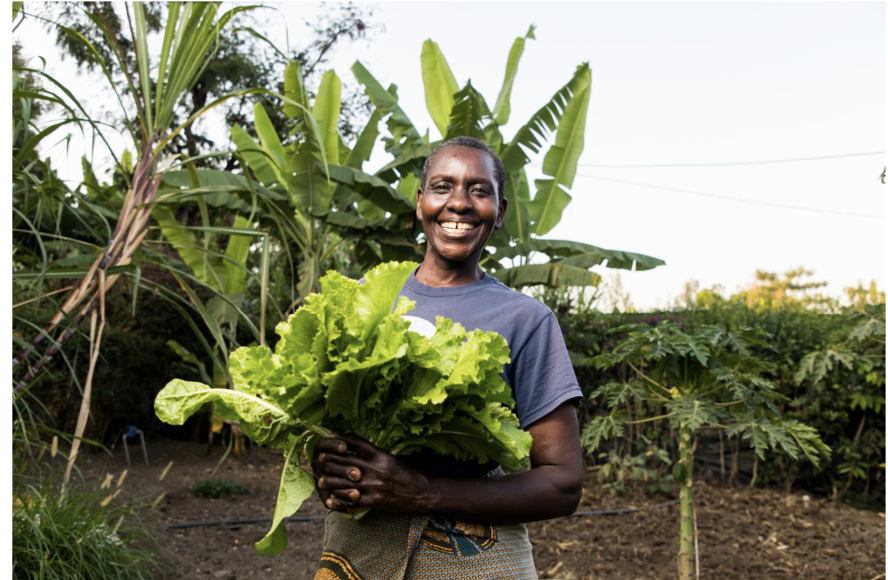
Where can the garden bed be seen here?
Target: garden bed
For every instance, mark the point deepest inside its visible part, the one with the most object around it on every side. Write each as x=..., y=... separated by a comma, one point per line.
x=743, y=533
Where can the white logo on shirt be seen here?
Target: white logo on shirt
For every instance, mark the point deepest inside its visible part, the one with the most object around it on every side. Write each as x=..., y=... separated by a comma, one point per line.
x=420, y=325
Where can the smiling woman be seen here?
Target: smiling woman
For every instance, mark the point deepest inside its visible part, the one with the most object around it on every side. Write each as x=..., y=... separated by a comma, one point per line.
x=460, y=203
x=431, y=514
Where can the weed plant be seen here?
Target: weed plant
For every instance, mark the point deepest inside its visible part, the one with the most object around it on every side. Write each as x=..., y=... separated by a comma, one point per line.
x=217, y=487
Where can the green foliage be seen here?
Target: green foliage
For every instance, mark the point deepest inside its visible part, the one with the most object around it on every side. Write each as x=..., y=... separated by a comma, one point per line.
x=845, y=382
x=72, y=535
x=244, y=58
x=347, y=362
x=706, y=378
x=622, y=473
x=836, y=406
x=218, y=487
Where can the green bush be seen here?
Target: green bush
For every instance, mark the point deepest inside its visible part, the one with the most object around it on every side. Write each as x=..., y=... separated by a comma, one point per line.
x=217, y=487
x=836, y=405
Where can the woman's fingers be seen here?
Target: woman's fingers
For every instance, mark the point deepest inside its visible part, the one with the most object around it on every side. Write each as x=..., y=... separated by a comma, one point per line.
x=359, y=445
x=339, y=505
x=334, y=483
x=350, y=472
x=351, y=495
x=330, y=445
x=327, y=459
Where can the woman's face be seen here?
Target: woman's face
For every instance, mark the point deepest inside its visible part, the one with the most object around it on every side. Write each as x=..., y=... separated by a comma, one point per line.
x=460, y=207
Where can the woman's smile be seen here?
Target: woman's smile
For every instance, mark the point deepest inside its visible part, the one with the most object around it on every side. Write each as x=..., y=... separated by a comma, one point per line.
x=457, y=228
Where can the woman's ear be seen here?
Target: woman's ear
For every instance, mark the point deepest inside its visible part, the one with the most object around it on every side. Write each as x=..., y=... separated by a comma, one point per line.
x=503, y=204
x=419, y=204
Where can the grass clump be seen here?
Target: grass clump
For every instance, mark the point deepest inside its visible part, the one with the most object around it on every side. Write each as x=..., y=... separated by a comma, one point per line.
x=217, y=487
x=76, y=534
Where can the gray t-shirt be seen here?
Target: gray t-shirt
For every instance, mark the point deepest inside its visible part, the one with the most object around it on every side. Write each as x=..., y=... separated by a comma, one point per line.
x=540, y=373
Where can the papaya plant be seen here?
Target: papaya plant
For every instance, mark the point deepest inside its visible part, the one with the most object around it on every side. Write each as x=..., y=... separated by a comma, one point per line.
x=845, y=381
x=706, y=379
x=462, y=111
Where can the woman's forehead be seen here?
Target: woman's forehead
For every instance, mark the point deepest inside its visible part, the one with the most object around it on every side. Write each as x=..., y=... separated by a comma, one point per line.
x=454, y=157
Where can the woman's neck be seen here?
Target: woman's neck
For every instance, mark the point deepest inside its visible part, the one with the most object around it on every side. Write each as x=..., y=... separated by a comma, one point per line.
x=433, y=273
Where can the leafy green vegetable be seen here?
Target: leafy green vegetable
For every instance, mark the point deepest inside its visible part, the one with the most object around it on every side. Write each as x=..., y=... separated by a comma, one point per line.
x=347, y=361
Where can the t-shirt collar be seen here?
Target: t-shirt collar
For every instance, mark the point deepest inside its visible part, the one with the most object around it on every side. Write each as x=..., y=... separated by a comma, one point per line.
x=418, y=287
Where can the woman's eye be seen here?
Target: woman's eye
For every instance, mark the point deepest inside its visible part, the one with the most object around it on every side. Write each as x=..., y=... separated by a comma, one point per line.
x=441, y=187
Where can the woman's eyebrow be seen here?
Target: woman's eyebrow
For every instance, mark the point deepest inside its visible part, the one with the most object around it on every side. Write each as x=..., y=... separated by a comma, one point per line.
x=450, y=178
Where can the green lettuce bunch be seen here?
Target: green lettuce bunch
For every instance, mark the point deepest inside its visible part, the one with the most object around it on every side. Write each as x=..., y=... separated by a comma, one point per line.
x=347, y=361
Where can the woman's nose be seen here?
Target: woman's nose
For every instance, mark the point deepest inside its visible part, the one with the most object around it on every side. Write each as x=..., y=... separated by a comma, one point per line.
x=459, y=199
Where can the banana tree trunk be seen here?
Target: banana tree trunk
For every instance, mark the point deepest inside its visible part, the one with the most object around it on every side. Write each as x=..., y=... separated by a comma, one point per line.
x=686, y=499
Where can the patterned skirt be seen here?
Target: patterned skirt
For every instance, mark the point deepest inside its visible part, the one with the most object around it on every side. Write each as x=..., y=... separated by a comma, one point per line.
x=387, y=546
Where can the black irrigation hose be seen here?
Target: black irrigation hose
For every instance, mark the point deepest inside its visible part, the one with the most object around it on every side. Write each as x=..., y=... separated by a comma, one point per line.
x=241, y=522
x=299, y=519
x=623, y=511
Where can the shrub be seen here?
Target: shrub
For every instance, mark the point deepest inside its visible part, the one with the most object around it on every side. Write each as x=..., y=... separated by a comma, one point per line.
x=217, y=487
x=836, y=404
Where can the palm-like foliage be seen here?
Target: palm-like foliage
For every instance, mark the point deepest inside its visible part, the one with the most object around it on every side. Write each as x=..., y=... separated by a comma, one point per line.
x=700, y=380
x=339, y=213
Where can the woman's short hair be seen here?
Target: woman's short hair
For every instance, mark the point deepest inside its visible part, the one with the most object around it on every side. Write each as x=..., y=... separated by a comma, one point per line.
x=473, y=143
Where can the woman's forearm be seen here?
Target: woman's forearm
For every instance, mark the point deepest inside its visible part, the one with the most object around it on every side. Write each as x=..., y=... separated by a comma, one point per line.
x=542, y=493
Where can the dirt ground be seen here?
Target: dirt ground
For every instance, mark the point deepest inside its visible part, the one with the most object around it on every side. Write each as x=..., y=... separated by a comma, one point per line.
x=743, y=533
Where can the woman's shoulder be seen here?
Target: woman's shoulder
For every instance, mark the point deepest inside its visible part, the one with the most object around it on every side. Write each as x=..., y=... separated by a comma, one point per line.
x=523, y=303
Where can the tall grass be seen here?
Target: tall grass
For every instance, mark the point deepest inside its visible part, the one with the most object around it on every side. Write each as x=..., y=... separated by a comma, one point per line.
x=78, y=534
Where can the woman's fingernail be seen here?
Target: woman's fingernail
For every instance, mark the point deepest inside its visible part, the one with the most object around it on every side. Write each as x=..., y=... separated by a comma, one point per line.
x=354, y=475
x=321, y=482
x=329, y=503
x=354, y=494
x=341, y=448
x=322, y=457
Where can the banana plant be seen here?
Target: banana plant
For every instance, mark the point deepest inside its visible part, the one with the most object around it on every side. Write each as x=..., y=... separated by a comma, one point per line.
x=342, y=217
x=463, y=111
x=707, y=379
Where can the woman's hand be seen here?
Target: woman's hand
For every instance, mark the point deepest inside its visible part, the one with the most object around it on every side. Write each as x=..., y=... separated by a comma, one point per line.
x=327, y=471
x=368, y=477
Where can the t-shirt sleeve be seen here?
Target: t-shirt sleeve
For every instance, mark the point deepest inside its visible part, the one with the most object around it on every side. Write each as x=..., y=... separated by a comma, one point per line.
x=541, y=374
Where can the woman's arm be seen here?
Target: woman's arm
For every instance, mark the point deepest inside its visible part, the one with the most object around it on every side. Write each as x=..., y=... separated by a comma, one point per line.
x=376, y=479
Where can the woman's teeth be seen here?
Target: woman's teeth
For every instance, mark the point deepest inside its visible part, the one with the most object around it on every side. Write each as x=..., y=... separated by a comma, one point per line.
x=457, y=225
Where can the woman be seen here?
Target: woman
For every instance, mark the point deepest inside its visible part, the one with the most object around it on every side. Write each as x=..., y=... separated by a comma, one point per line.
x=432, y=516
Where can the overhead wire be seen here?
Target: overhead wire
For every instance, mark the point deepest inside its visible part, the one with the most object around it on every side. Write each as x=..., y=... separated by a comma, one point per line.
x=732, y=198
x=731, y=163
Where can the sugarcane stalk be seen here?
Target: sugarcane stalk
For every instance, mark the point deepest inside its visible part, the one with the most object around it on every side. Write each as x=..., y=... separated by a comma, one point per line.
x=69, y=332
x=686, y=501
x=95, y=339
x=128, y=235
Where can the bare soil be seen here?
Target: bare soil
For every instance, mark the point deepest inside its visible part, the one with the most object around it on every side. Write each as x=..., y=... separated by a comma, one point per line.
x=743, y=533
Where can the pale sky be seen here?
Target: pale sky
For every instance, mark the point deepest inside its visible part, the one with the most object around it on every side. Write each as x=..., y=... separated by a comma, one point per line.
x=673, y=84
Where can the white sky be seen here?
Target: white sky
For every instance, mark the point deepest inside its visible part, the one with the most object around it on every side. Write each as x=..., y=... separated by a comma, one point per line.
x=673, y=83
